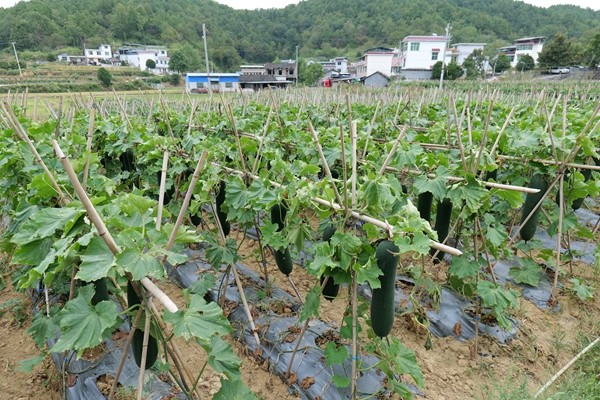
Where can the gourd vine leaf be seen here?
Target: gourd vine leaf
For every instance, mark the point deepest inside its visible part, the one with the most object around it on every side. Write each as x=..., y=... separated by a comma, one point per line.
x=348, y=247
x=512, y=197
x=222, y=358
x=33, y=252
x=340, y=381
x=529, y=272
x=436, y=185
x=29, y=364
x=368, y=273
x=201, y=320
x=335, y=354
x=139, y=265
x=82, y=325
x=298, y=234
x=204, y=283
x=495, y=232
x=463, y=268
x=218, y=254
x=311, y=304
x=96, y=261
x=582, y=291
x=234, y=390
x=45, y=222
x=42, y=328
x=470, y=193
x=323, y=258
x=271, y=237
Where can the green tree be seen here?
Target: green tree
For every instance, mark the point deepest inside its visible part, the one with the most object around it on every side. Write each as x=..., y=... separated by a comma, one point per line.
x=556, y=52
x=436, y=70
x=184, y=59
x=591, y=56
x=174, y=79
x=150, y=63
x=452, y=71
x=501, y=63
x=526, y=63
x=104, y=77
x=310, y=74
x=474, y=64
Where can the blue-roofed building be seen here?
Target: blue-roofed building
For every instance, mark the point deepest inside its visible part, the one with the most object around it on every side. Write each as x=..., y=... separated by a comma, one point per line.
x=219, y=82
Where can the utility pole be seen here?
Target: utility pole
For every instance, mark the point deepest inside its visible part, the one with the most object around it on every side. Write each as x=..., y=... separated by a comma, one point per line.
x=17, y=57
x=297, y=67
x=448, y=28
x=206, y=58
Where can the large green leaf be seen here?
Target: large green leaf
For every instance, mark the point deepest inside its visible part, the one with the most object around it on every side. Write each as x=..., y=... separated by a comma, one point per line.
x=82, y=325
x=96, y=261
x=463, y=268
x=42, y=328
x=234, y=390
x=33, y=252
x=335, y=354
x=222, y=358
x=45, y=222
x=201, y=320
x=139, y=265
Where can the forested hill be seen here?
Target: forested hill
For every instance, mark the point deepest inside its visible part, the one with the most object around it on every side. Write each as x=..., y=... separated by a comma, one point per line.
x=320, y=28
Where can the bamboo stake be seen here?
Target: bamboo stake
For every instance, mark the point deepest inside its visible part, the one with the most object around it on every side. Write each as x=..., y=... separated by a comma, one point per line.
x=561, y=206
x=238, y=282
x=124, y=354
x=101, y=227
x=566, y=367
x=324, y=162
x=393, y=150
x=370, y=130
x=261, y=142
x=551, y=162
x=140, y=388
x=186, y=200
x=161, y=192
x=88, y=149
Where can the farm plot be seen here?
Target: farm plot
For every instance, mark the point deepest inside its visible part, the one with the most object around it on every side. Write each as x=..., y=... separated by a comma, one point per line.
x=352, y=245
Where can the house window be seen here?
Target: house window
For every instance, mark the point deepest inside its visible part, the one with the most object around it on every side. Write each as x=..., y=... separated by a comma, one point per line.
x=404, y=46
x=200, y=84
x=525, y=47
x=98, y=53
x=106, y=53
x=434, y=55
x=292, y=71
x=229, y=85
x=414, y=46
x=280, y=72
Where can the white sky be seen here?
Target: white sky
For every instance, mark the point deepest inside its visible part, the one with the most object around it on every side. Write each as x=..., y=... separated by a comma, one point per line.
x=251, y=4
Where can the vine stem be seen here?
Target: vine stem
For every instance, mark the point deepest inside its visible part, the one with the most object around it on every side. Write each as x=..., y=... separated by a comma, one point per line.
x=566, y=367
x=124, y=355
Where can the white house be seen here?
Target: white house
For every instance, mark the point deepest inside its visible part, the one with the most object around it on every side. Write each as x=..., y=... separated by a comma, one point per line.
x=531, y=46
x=460, y=51
x=137, y=56
x=101, y=55
x=378, y=59
x=422, y=52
